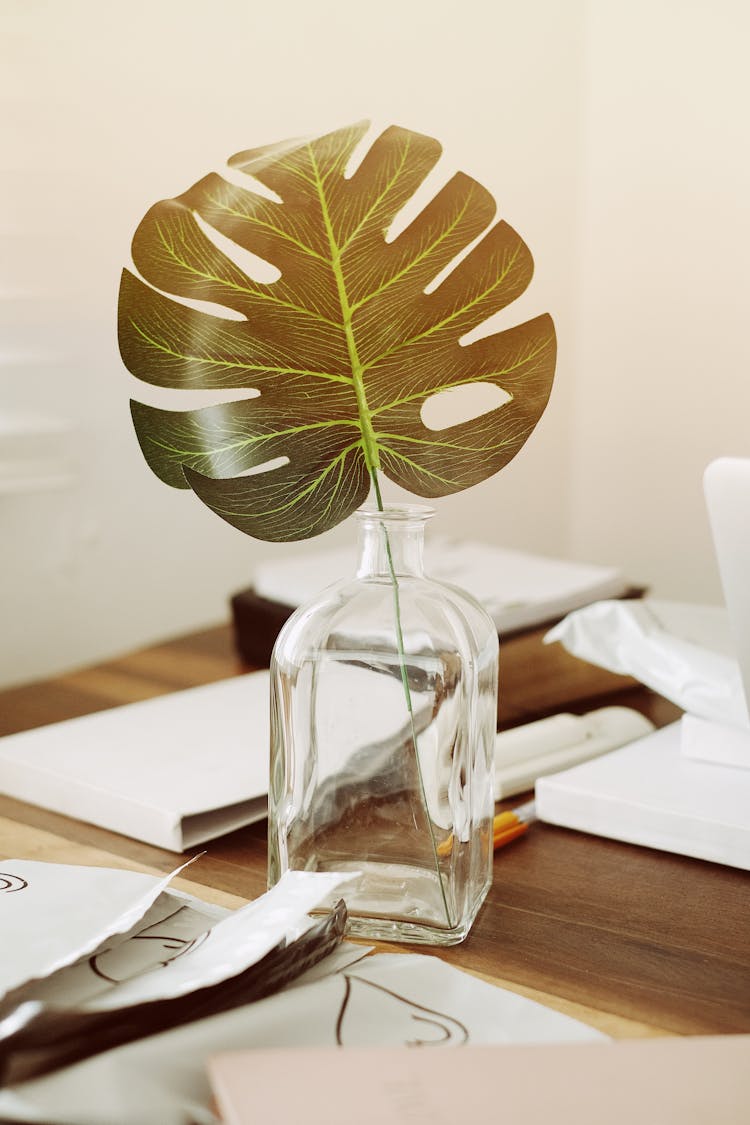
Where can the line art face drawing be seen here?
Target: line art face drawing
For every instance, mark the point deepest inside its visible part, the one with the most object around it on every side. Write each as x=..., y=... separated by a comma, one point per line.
x=409, y=1024
x=123, y=961
x=10, y=883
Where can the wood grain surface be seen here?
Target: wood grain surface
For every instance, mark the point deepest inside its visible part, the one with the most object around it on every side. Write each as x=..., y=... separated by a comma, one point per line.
x=633, y=940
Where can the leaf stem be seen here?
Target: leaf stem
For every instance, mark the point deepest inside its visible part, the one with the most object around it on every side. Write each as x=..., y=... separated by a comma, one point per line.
x=407, y=693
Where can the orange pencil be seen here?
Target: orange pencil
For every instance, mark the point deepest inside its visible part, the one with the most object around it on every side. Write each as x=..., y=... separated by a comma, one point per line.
x=510, y=825
x=506, y=826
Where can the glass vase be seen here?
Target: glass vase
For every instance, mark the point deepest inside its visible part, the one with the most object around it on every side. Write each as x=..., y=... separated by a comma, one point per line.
x=383, y=718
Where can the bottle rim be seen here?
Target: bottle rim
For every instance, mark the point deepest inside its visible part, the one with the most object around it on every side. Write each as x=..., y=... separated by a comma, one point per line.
x=395, y=513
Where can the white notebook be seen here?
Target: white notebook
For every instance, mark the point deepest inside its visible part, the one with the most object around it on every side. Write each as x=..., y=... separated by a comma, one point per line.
x=650, y=793
x=172, y=771
x=184, y=768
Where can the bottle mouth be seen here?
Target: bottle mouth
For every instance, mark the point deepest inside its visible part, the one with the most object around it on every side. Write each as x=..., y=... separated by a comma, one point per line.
x=395, y=513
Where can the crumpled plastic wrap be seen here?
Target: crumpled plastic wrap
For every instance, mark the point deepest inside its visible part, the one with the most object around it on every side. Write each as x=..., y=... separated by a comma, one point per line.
x=683, y=652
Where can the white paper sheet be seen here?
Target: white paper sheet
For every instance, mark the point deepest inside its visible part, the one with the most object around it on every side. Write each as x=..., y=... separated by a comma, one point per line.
x=390, y=1000
x=52, y=915
x=168, y=930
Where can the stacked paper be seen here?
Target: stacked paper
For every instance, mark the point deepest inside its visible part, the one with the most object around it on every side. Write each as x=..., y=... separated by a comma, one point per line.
x=516, y=588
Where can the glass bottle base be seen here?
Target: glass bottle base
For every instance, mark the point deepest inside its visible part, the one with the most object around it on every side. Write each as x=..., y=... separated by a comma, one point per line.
x=412, y=933
x=401, y=903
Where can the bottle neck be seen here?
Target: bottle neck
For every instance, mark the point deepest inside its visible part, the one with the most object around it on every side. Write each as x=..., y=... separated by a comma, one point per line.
x=392, y=541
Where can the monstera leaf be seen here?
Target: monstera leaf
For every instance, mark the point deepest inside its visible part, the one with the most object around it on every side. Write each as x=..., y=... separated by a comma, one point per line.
x=340, y=352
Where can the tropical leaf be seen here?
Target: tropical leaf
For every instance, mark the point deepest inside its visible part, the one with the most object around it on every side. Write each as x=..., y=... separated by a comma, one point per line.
x=343, y=350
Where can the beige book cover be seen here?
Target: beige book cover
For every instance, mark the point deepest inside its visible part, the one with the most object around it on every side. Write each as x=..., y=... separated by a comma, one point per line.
x=690, y=1081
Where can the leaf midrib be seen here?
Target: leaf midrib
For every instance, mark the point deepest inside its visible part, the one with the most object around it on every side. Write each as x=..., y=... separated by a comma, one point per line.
x=368, y=439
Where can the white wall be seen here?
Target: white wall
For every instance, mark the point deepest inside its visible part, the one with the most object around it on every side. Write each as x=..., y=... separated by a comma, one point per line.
x=109, y=107
x=663, y=382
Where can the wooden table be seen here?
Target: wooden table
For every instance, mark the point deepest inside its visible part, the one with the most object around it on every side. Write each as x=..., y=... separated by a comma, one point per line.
x=633, y=941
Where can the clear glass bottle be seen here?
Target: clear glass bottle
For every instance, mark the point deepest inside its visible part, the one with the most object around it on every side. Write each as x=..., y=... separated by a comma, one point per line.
x=383, y=717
